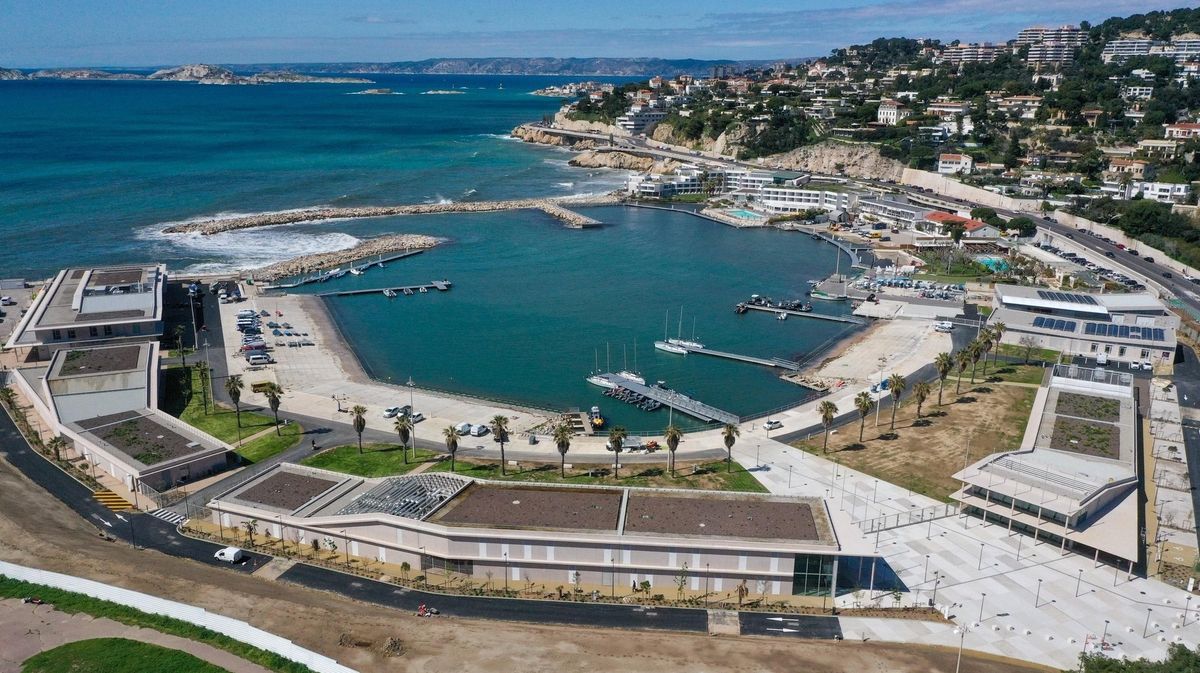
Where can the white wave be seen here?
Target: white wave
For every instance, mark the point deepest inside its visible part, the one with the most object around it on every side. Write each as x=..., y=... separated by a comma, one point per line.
x=246, y=248
x=497, y=136
x=370, y=93
x=565, y=185
x=439, y=199
x=232, y=215
x=470, y=192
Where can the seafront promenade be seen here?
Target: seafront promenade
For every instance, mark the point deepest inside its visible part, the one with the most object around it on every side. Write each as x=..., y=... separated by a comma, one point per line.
x=555, y=207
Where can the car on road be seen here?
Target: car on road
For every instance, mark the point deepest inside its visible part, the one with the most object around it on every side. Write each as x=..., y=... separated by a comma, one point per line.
x=772, y=425
x=1167, y=274
x=417, y=417
x=230, y=555
x=1132, y=252
x=391, y=412
x=1109, y=254
x=1149, y=259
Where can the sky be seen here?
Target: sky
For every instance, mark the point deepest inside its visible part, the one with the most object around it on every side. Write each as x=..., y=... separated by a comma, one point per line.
x=142, y=33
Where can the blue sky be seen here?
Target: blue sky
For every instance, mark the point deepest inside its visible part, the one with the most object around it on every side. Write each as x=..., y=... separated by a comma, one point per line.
x=49, y=33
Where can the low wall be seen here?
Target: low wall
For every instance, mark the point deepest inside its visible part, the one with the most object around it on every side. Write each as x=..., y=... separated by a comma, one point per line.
x=940, y=184
x=235, y=629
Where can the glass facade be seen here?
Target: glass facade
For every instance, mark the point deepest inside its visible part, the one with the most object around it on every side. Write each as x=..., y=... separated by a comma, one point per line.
x=812, y=575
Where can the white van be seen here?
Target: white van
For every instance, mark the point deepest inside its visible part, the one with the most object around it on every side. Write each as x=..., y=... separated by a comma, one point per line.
x=479, y=430
x=260, y=359
x=463, y=428
x=944, y=326
x=230, y=555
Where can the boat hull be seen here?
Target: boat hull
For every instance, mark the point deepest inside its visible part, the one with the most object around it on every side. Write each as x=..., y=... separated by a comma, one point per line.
x=670, y=348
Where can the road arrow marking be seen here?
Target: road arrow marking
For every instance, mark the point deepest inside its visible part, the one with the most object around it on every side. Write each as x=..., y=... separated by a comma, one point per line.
x=785, y=630
x=119, y=516
x=783, y=619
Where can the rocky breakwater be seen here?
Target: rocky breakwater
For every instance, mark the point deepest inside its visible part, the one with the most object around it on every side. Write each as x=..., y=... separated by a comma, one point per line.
x=550, y=206
x=375, y=247
x=535, y=134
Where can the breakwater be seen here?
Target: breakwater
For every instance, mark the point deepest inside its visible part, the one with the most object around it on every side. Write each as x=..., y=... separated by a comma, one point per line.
x=365, y=251
x=555, y=207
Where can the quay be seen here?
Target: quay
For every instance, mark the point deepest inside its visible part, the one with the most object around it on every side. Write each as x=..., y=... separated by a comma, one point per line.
x=805, y=314
x=768, y=362
x=322, y=277
x=439, y=285
x=675, y=400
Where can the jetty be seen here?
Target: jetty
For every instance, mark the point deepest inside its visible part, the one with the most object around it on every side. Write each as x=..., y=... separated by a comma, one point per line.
x=362, y=264
x=439, y=285
x=767, y=362
x=675, y=400
x=848, y=319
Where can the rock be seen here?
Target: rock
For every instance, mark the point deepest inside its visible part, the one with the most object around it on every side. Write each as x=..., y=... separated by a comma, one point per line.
x=832, y=157
x=82, y=73
x=563, y=122
x=728, y=143
x=199, y=72
x=532, y=134
x=289, y=77
x=374, y=247
x=619, y=160
x=7, y=74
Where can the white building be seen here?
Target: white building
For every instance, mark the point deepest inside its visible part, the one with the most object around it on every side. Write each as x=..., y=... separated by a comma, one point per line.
x=1181, y=130
x=1050, y=54
x=951, y=164
x=972, y=53
x=1022, y=107
x=1164, y=192
x=641, y=117
x=1120, y=50
x=891, y=212
x=947, y=108
x=1137, y=92
x=1069, y=35
x=892, y=112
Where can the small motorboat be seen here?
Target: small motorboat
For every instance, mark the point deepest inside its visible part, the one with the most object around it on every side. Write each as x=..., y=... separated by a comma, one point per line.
x=389, y=293
x=781, y=316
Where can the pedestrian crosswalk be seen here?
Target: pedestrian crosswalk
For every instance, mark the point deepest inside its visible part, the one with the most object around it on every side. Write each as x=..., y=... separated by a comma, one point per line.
x=112, y=501
x=169, y=516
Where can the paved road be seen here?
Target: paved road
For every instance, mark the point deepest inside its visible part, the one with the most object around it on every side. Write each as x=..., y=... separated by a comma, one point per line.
x=790, y=626
x=1187, y=381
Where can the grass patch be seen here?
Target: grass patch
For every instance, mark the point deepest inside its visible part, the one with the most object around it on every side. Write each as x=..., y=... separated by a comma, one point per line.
x=115, y=655
x=180, y=394
x=1007, y=373
x=376, y=460
x=711, y=475
x=73, y=603
x=1019, y=351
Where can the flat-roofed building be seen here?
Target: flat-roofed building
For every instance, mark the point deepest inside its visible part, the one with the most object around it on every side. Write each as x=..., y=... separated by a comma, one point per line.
x=1073, y=482
x=552, y=534
x=1120, y=50
x=950, y=164
x=1124, y=327
x=92, y=306
x=892, y=212
x=1066, y=34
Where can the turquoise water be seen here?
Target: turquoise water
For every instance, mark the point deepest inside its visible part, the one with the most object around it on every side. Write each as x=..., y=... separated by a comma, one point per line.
x=993, y=263
x=92, y=171
x=745, y=214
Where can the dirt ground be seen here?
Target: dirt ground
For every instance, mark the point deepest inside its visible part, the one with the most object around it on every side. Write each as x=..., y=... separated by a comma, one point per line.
x=37, y=530
x=923, y=455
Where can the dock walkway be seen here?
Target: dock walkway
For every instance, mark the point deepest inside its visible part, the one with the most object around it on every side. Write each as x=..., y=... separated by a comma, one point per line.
x=357, y=264
x=439, y=285
x=768, y=362
x=807, y=314
x=675, y=400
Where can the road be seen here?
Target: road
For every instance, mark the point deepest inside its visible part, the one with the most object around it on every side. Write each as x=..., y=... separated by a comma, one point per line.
x=1187, y=381
x=789, y=626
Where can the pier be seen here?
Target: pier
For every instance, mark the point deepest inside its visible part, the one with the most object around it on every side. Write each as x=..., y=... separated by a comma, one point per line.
x=806, y=314
x=439, y=285
x=361, y=264
x=767, y=362
x=675, y=400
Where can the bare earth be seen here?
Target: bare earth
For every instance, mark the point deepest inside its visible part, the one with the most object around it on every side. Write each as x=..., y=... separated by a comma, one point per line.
x=37, y=530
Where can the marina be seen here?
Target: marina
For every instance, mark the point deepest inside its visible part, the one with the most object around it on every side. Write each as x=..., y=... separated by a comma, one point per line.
x=777, y=310
x=390, y=292
x=767, y=362
x=355, y=269
x=667, y=397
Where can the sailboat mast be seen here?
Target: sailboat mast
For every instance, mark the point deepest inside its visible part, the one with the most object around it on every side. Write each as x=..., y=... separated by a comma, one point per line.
x=607, y=358
x=679, y=329
x=693, y=328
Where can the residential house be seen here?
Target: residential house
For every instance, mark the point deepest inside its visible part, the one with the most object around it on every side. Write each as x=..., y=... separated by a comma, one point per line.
x=892, y=112
x=951, y=164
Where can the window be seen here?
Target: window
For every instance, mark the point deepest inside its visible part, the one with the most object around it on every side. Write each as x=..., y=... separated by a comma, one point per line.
x=1121, y=352
x=1145, y=353
x=1094, y=348
x=447, y=565
x=812, y=575
x=1107, y=349
x=70, y=334
x=56, y=334
x=108, y=330
x=137, y=329
x=93, y=332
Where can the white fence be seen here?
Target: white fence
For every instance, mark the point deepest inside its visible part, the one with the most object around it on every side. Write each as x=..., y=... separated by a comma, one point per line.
x=236, y=629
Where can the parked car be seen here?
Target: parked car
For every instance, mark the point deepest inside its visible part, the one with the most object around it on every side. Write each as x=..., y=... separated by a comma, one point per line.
x=479, y=430
x=1167, y=274
x=772, y=425
x=230, y=555
x=1149, y=259
x=417, y=417
x=391, y=412
x=463, y=429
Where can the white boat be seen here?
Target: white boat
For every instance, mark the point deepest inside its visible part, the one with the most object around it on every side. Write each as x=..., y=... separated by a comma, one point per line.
x=781, y=316
x=389, y=293
x=670, y=347
x=632, y=376
x=598, y=380
x=679, y=340
x=355, y=272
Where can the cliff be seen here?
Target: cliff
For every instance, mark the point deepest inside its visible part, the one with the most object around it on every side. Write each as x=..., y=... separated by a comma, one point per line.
x=618, y=160
x=533, y=134
x=8, y=75
x=831, y=157
x=561, y=121
x=199, y=72
x=728, y=143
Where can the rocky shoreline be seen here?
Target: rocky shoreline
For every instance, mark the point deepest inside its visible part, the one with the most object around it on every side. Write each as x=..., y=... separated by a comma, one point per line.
x=554, y=207
x=384, y=245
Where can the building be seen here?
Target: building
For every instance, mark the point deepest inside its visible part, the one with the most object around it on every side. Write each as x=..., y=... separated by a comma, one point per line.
x=947, y=108
x=892, y=112
x=1050, y=54
x=1153, y=147
x=1021, y=107
x=1073, y=482
x=950, y=164
x=1134, y=168
x=1072, y=36
x=785, y=198
x=1124, y=328
x=571, y=536
x=641, y=117
x=1181, y=130
x=1181, y=50
x=940, y=223
x=972, y=53
x=1137, y=92
x=1164, y=192
x=1120, y=50
x=105, y=401
x=89, y=306
x=891, y=212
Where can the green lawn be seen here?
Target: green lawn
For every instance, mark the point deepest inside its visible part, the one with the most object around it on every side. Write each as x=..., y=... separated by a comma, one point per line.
x=1018, y=351
x=115, y=655
x=73, y=603
x=180, y=395
x=376, y=460
x=708, y=475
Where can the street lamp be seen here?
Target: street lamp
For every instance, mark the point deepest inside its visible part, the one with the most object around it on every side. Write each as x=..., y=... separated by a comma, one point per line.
x=982, y=598
x=1105, y=635
x=1037, y=596
x=1147, y=626
x=962, y=636
x=411, y=412
x=925, y=576
x=1078, y=581
x=979, y=566
x=706, y=575
x=505, y=573
x=346, y=542
x=1187, y=606
x=936, y=580
x=613, y=560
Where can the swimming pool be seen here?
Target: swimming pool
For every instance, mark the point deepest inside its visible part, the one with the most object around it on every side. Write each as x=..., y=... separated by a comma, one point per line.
x=993, y=262
x=745, y=214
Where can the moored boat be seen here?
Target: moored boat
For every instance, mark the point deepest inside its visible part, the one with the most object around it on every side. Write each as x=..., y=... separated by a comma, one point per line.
x=669, y=347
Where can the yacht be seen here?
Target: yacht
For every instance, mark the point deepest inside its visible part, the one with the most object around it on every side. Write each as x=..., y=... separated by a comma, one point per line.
x=781, y=316
x=389, y=293
x=598, y=380
x=669, y=347
x=679, y=340
x=632, y=376
x=355, y=272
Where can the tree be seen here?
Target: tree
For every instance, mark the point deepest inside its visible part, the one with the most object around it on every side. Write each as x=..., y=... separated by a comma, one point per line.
x=828, y=411
x=273, y=392
x=864, y=403
x=896, y=384
x=450, y=435
x=403, y=426
x=405, y=568
x=975, y=351
x=358, y=417
x=944, y=363
x=729, y=435
x=985, y=346
x=179, y=332
x=1028, y=343
x=672, y=435
x=500, y=430
x=56, y=444
x=921, y=392
x=962, y=360
x=681, y=581
x=997, y=334
x=562, y=440
x=251, y=527
x=234, y=388
x=616, y=438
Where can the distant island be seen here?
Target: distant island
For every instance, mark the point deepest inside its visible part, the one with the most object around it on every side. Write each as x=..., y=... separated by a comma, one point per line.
x=442, y=92
x=197, y=72
x=584, y=67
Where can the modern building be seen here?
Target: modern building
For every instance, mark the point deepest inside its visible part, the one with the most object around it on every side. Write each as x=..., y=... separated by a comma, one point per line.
x=1125, y=328
x=1120, y=50
x=1137, y=92
x=891, y=212
x=892, y=112
x=1073, y=36
x=951, y=164
x=570, y=536
x=1164, y=192
x=1021, y=107
x=80, y=307
x=973, y=53
x=641, y=117
x=782, y=199
x=1050, y=54
x=947, y=108
x=1154, y=147
x=1073, y=482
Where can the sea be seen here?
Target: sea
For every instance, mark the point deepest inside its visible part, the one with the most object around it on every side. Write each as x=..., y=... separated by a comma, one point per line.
x=91, y=171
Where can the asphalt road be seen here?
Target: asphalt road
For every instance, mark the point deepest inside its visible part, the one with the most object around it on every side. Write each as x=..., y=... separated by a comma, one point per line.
x=789, y=626
x=1187, y=381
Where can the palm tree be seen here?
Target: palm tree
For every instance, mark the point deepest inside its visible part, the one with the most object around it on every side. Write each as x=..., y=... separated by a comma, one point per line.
x=729, y=435
x=616, y=438
x=500, y=430
x=997, y=332
x=961, y=359
x=896, y=384
x=828, y=411
x=944, y=363
x=451, y=437
x=672, y=435
x=864, y=404
x=562, y=439
x=975, y=351
x=358, y=417
x=985, y=346
x=403, y=426
x=273, y=392
x=56, y=444
x=921, y=392
x=234, y=388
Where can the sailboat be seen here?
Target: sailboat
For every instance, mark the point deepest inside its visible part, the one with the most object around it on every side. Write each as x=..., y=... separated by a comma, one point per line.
x=679, y=340
x=666, y=344
x=817, y=293
x=596, y=377
x=632, y=375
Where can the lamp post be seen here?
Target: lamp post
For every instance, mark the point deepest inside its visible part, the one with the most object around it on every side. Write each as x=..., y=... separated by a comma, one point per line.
x=1186, y=608
x=346, y=542
x=936, y=580
x=925, y=576
x=613, y=560
x=1078, y=581
x=706, y=576
x=421, y=562
x=982, y=598
x=962, y=636
x=1147, y=626
x=505, y=573
x=882, y=363
x=411, y=412
x=1037, y=596
x=979, y=566
x=1104, y=636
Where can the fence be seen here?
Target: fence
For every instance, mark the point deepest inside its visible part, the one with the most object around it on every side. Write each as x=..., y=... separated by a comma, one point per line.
x=233, y=628
x=890, y=521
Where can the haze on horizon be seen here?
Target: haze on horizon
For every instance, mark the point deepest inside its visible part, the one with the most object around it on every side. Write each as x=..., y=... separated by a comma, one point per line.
x=140, y=33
